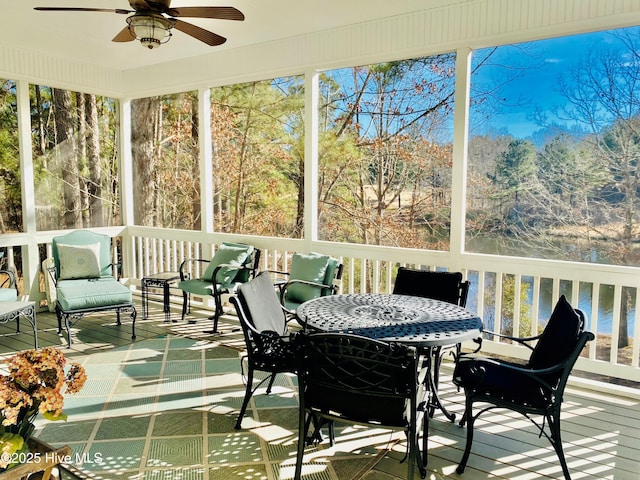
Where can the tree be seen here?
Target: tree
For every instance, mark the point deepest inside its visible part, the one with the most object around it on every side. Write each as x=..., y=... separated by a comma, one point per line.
x=145, y=117
x=514, y=171
x=94, y=184
x=10, y=188
x=68, y=153
x=258, y=152
x=389, y=119
x=603, y=94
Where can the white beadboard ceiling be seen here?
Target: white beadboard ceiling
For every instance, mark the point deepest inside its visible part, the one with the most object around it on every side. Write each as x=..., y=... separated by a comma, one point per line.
x=278, y=37
x=86, y=36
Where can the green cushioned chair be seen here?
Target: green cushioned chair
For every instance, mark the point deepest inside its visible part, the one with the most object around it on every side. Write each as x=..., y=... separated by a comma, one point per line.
x=83, y=274
x=233, y=264
x=8, y=289
x=310, y=276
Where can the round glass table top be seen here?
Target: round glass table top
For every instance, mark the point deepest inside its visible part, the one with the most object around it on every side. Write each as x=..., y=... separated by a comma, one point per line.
x=406, y=319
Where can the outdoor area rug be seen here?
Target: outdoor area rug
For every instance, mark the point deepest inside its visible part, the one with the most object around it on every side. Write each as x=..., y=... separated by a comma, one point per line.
x=165, y=409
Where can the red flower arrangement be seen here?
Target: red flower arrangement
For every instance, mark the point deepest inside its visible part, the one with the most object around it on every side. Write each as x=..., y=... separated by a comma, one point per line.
x=35, y=383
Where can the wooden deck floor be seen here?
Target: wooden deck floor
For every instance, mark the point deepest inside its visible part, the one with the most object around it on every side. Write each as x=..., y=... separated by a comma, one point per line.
x=601, y=432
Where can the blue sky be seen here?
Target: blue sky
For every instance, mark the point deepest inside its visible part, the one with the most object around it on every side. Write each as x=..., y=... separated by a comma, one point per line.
x=538, y=72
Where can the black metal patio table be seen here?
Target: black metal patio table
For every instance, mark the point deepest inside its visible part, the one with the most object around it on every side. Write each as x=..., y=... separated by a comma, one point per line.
x=424, y=323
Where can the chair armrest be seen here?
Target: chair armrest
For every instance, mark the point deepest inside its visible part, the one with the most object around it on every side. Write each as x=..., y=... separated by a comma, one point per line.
x=524, y=341
x=278, y=272
x=538, y=376
x=184, y=275
x=11, y=278
x=117, y=267
x=283, y=289
x=53, y=275
x=228, y=265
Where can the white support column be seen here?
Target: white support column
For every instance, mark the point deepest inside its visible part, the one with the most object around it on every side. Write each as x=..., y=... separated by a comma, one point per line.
x=126, y=164
x=311, y=158
x=126, y=185
x=459, y=170
x=30, y=256
x=206, y=160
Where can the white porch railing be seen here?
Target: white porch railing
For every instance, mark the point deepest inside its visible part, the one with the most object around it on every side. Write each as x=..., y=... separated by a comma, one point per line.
x=599, y=290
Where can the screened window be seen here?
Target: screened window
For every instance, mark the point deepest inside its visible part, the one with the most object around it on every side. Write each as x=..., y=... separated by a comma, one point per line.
x=554, y=147
x=75, y=159
x=385, y=153
x=166, y=171
x=10, y=187
x=258, y=157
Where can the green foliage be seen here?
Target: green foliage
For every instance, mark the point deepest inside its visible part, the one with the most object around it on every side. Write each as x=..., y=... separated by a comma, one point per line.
x=258, y=132
x=10, y=187
x=508, y=307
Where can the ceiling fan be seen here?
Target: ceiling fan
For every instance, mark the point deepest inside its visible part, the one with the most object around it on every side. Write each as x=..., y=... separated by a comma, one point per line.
x=152, y=21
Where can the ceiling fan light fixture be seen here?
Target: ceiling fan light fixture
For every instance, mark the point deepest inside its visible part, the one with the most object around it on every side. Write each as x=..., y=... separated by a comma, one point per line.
x=151, y=29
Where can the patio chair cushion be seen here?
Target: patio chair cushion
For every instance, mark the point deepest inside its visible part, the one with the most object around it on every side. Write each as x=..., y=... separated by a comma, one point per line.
x=82, y=238
x=261, y=305
x=244, y=274
x=560, y=335
x=8, y=294
x=79, y=261
x=82, y=294
x=310, y=267
x=226, y=254
x=489, y=377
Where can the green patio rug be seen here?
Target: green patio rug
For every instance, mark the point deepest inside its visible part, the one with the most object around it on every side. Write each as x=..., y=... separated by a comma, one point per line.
x=165, y=409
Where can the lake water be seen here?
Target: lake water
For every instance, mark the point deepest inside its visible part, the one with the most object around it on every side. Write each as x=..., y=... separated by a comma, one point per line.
x=605, y=312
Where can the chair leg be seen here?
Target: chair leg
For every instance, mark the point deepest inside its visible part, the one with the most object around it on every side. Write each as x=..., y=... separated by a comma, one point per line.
x=59, y=316
x=247, y=397
x=216, y=315
x=556, y=441
x=272, y=379
x=184, y=304
x=134, y=314
x=470, y=420
x=67, y=324
x=303, y=429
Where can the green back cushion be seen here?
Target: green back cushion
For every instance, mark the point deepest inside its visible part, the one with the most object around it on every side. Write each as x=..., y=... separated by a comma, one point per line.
x=84, y=238
x=330, y=275
x=310, y=267
x=559, y=337
x=244, y=274
x=261, y=304
x=232, y=256
x=79, y=261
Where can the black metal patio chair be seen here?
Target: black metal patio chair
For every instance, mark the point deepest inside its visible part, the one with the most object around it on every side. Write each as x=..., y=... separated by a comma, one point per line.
x=311, y=275
x=264, y=326
x=231, y=265
x=533, y=388
x=357, y=380
x=445, y=286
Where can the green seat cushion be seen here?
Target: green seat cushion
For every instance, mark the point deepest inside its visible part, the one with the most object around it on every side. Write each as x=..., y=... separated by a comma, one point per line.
x=87, y=294
x=8, y=294
x=227, y=254
x=196, y=287
x=310, y=267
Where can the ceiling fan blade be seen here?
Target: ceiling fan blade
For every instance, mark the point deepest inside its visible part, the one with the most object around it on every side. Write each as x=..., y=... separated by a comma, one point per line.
x=201, y=34
x=124, y=35
x=222, y=13
x=77, y=9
